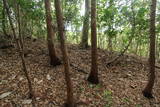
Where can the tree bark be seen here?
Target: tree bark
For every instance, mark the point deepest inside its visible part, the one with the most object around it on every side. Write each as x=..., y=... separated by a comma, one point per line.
x=110, y=43
x=54, y=60
x=19, y=27
x=70, y=99
x=93, y=76
x=147, y=92
x=3, y=21
x=20, y=49
x=85, y=30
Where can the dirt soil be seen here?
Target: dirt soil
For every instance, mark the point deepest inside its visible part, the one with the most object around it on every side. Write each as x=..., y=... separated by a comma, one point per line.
x=120, y=85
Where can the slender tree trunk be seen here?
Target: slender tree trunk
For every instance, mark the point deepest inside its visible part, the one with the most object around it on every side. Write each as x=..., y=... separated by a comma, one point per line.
x=60, y=23
x=20, y=49
x=3, y=21
x=93, y=76
x=137, y=47
x=115, y=45
x=147, y=92
x=85, y=30
x=31, y=28
x=110, y=44
x=19, y=27
x=54, y=60
x=157, y=48
x=110, y=35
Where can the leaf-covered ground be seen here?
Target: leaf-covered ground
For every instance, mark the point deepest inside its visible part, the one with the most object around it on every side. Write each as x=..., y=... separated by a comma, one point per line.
x=120, y=85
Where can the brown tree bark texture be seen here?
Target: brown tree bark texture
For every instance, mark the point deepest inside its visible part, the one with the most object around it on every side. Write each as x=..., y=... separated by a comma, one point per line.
x=147, y=92
x=85, y=30
x=93, y=77
x=54, y=60
x=21, y=53
x=60, y=24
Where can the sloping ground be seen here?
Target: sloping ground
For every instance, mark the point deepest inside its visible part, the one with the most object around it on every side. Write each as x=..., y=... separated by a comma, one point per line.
x=120, y=85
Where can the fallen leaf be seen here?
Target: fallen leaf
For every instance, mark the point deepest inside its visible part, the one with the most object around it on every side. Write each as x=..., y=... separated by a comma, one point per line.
x=28, y=101
x=48, y=77
x=5, y=95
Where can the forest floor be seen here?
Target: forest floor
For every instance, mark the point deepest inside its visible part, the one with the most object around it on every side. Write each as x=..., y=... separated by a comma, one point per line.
x=120, y=85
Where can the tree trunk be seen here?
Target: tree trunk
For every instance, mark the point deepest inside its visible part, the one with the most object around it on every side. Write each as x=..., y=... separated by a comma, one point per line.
x=21, y=53
x=147, y=92
x=85, y=30
x=110, y=43
x=19, y=26
x=54, y=60
x=3, y=21
x=60, y=24
x=157, y=48
x=93, y=76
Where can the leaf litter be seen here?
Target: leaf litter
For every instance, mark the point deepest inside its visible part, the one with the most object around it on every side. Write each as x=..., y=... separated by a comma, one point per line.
x=120, y=85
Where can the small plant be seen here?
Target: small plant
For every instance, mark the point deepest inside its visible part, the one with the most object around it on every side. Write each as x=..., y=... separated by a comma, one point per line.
x=125, y=100
x=98, y=86
x=91, y=86
x=108, y=98
x=138, y=105
x=94, y=86
x=81, y=89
